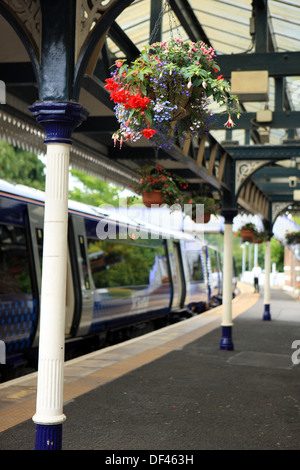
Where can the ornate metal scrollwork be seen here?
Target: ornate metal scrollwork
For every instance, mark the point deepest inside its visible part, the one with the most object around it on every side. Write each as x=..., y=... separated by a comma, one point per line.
x=28, y=15
x=243, y=169
x=88, y=14
x=278, y=207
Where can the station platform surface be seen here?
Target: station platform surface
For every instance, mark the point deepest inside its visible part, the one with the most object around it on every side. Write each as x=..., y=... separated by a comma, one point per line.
x=174, y=389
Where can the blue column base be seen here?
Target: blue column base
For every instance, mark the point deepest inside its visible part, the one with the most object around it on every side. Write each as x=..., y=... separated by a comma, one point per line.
x=48, y=437
x=226, y=341
x=267, y=314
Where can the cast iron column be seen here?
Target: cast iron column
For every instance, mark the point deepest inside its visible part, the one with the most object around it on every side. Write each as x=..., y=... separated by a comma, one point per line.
x=226, y=341
x=59, y=118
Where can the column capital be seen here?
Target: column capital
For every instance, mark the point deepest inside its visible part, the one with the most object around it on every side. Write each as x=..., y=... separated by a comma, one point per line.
x=229, y=214
x=59, y=119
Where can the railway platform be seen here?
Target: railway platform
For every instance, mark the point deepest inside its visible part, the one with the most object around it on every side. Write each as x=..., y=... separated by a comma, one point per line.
x=174, y=389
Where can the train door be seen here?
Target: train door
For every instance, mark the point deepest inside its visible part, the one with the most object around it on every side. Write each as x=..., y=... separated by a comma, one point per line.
x=213, y=271
x=84, y=290
x=219, y=263
x=177, y=274
x=36, y=223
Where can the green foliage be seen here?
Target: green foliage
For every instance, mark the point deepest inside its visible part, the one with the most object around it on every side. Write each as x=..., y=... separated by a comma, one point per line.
x=94, y=191
x=277, y=254
x=277, y=251
x=292, y=238
x=187, y=63
x=156, y=178
x=19, y=166
x=168, y=88
x=211, y=206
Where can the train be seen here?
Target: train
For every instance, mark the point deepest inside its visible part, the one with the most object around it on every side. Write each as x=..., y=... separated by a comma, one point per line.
x=116, y=280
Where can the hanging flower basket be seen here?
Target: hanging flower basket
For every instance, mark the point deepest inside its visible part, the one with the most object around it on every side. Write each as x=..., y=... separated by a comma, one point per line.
x=247, y=232
x=247, y=235
x=206, y=218
x=259, y=237
x=158, y=186
x=292, y=238
x=171, y=81
x=211, y=207
x=152, y=197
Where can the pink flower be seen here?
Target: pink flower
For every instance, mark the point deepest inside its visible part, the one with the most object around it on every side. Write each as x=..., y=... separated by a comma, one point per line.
x=115, y=137
x=229, y=123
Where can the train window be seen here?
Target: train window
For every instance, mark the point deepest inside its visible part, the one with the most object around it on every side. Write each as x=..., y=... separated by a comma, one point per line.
x=213, y=261
x=14, y=263
x=39, y=240
x=197, y=273
x=116, y=264
x=84, y=262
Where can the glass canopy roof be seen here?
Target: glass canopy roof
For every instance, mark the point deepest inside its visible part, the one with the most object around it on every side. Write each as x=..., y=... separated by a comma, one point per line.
x=226, y=24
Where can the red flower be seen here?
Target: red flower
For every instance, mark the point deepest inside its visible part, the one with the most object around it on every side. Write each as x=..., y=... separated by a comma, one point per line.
x=119, y=96
x=148, y=133
x=112, y=85
x=137, y=101
x=220, y=77
x=119, y=63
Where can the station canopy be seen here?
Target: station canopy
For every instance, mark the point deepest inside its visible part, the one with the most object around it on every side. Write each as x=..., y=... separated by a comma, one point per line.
x=258, y=160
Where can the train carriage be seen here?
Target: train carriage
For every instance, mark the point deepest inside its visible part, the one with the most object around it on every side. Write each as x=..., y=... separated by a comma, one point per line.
x=115, y=279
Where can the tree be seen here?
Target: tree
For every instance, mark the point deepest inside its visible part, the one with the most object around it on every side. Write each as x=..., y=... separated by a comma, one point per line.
x=277, y=254
x=94, y=191
x=22, y=167
x=19, y=166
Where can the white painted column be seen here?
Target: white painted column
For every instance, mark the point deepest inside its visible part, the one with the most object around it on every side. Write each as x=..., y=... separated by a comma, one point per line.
x=226, y=341
x=243, y=260
x=267, y=289
x=49, y=409
x=59, y=119
x=227, y=276
x=255, y=254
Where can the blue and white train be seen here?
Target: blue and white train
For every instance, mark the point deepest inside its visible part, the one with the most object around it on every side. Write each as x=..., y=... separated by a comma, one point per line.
x=113, y=284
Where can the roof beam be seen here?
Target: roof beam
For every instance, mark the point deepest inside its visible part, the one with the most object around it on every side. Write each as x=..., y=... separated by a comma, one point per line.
x=260, y=12
x=188, y=20
x=280, y=120
x=277, y=171
x=278, y=64
x=275, y=188
x=121, y=39
x=263, y=152
x=155, y=24
x=140, y=154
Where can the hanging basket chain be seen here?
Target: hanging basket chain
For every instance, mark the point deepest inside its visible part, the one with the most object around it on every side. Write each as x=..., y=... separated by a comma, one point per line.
x=166, y=8
x=172, y=19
